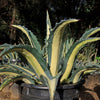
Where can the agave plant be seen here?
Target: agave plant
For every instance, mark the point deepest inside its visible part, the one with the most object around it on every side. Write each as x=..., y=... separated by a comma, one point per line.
x=52, y=64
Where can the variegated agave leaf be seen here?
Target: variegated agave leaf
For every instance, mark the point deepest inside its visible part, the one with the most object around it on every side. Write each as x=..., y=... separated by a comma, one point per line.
x=90, y=32
x=48, y=26
x=14, y=72
x=32, y=55
x=66, y=46
x=8, y=80
x=70, y=57
x=32, y=38
x=78, y=73
x=37, y=62
x=11, y=56
x=55, y=46
x=4, y=46
x=24, y=70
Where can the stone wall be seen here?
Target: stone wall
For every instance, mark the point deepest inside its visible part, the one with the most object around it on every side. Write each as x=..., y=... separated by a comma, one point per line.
x=10, y=92
x=91, y=88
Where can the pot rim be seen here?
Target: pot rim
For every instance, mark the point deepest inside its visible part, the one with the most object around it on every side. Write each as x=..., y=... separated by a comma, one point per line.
x=65, y=86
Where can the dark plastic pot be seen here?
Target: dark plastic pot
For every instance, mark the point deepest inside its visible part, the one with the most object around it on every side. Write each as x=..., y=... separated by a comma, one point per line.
x=11, y=61
x=37, y=92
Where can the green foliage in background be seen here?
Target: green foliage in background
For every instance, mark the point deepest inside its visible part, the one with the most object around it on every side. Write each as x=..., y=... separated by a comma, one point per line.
x=26, y=12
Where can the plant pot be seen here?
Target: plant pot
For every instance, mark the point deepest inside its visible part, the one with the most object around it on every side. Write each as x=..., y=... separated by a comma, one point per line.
x=38, y=92
x=11, y=61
